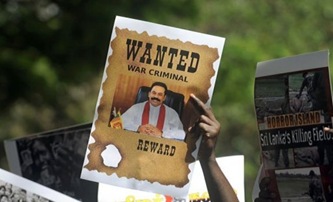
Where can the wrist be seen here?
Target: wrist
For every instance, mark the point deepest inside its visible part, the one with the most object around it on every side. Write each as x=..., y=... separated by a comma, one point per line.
x=208, y=160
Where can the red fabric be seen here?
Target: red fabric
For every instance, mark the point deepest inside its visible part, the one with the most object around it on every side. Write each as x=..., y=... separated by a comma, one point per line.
x=161, y=116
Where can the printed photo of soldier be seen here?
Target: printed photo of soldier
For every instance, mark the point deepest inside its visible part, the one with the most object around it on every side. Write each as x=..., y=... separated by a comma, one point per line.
x=300, y=185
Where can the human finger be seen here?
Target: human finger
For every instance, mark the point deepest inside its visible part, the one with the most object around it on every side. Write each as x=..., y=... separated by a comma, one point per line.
x=207, y=120
x=327, y=129
x=209, y=130
x=202, y=108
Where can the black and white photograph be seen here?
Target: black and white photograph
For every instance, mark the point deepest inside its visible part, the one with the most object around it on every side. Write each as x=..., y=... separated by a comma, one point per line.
x=305, y=182
x=54, y=160
x=14, y=188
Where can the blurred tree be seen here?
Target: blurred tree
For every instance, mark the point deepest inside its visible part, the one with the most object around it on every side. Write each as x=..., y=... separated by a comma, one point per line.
x=257, y=31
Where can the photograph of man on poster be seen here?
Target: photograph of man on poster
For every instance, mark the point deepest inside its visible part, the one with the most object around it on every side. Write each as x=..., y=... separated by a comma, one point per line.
x=153, y=117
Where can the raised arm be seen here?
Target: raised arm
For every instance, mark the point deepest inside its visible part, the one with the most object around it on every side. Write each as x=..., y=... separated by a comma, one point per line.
x=218, y=186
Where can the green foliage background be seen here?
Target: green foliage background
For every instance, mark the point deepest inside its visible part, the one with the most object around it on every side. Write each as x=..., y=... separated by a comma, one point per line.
x=52, y=56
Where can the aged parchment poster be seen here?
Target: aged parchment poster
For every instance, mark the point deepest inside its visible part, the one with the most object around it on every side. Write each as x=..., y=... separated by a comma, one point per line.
x=139, y=138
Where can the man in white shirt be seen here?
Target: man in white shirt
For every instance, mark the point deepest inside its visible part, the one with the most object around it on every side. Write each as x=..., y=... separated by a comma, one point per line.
x=154, y=118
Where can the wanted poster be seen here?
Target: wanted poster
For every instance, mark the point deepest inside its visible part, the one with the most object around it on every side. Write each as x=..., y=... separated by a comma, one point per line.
x=293, y=104
x=139, y=138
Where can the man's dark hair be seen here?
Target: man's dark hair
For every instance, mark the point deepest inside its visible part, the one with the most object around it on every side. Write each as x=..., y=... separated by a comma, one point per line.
x=157, y=83
x=312, y=173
